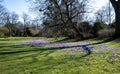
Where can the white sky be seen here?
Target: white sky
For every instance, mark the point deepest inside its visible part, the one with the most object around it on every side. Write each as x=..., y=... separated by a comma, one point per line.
x=99, y=3
x=95, y=5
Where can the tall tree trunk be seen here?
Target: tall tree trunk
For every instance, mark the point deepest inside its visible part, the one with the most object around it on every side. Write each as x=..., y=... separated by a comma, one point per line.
x=117, y=26
x=116, y=6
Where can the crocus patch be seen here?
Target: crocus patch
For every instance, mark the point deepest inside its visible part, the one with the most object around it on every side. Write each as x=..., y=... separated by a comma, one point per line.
x=77, y=45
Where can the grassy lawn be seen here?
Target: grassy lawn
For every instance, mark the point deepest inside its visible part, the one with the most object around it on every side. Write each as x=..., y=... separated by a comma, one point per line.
x=28, y=59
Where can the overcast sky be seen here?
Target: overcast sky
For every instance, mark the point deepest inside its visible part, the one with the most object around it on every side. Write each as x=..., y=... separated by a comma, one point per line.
x=20, y=6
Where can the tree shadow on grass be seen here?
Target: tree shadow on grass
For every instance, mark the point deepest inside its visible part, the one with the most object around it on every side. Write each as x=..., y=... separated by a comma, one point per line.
x=72, y=40
x=88, y=51
x=40, y=49
x=85, y=47
x=22, y=51
x=66, y=40
x=76, y=40
x=104, y=41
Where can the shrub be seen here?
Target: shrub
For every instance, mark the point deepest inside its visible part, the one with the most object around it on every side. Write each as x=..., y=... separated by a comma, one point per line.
x=85, y=28
x=97, y=27
x=3, y=32
x=106, y=33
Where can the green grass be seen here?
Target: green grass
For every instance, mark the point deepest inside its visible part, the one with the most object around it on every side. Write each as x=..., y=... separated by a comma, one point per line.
x=113, y=43
x=26, y=59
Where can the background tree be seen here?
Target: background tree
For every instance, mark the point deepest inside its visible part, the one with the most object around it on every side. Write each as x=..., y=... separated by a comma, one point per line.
x=2, y=14
x=11, y=20
x=14, y=20
x=62, y=13
x=36, y=26
x=100, y=15
x=105, y=14
x=25, y=18
x=8, y=23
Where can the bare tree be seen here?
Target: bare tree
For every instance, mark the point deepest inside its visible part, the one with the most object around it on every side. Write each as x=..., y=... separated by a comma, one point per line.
x=10, y=20
x=100, y=15
x=26, y=19
x=2, y=14
x=1, y=10
x=14, y=21
x=7, y=22
x=63, y=13
x=14, y=18
x=105, y=14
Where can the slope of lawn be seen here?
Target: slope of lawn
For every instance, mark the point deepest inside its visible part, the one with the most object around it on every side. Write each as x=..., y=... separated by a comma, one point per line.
x=17, y=58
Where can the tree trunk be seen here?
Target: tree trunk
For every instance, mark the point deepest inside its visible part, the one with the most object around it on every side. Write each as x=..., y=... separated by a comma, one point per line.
x=116, y=6
x=117, y=22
